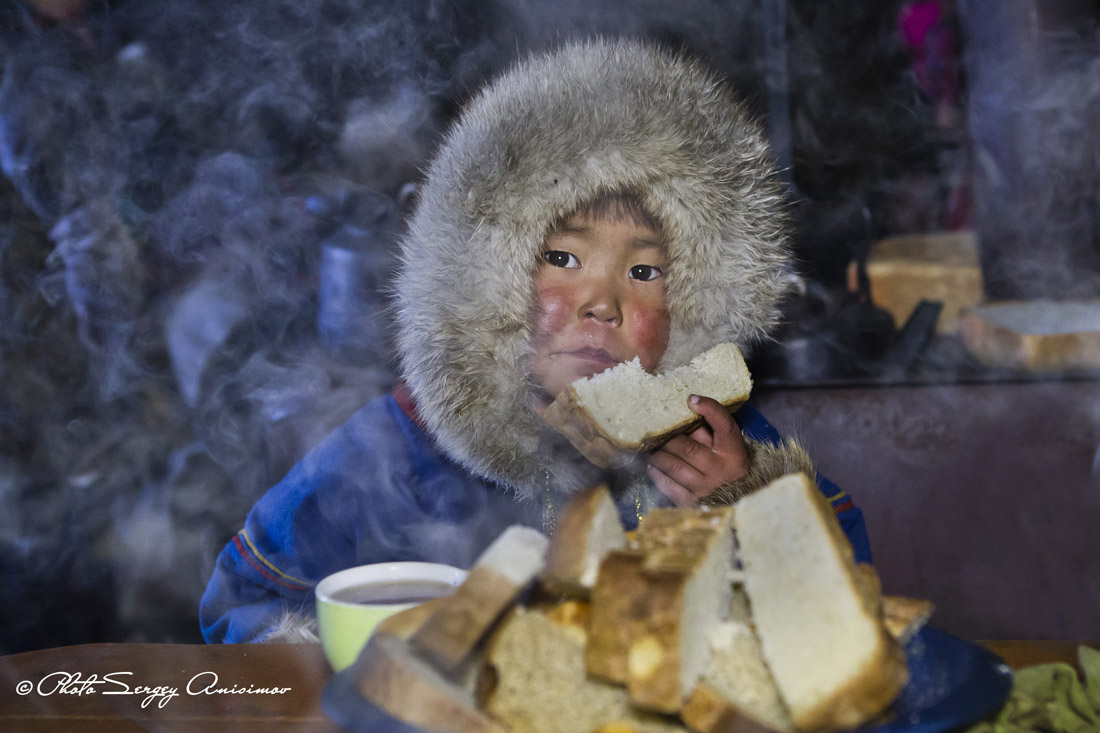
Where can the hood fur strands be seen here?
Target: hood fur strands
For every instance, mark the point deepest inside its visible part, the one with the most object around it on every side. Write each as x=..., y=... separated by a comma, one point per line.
x=534, y=145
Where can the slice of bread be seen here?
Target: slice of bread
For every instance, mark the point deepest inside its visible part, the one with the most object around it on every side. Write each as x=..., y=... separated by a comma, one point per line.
x=626, y=409
x=737, y=686
x=589, y=529
x=819, y=619
x=536, y=658
x=391, y=677
x=460, y=620
x=654, y=604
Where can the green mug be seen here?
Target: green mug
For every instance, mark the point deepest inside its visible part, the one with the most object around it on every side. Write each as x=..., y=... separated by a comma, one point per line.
x=352, y=602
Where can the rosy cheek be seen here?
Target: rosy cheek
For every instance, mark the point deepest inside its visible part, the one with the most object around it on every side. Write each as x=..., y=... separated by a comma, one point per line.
x=553, y=313
x=650, y=335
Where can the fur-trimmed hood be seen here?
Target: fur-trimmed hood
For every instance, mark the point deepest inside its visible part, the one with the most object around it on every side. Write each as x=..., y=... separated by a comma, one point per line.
x=545, y=137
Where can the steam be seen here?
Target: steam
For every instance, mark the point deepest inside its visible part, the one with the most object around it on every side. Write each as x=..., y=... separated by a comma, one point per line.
x=179, y=178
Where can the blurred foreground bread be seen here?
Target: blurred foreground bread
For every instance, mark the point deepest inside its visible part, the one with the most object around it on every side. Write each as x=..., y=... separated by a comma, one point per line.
x=537, y=661
x=1039, y=335
x=671, y=636
x=654, y=604
x=589, y=529
x=819, y=618
x=501, y=573
x=737, y=691
x=626, y=409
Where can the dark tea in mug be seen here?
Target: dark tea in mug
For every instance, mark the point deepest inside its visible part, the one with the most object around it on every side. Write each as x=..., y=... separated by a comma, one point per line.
x=393, y=592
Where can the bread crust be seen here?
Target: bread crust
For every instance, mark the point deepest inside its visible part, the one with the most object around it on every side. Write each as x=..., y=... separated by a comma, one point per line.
x=452, y=631
x=865, y=695
x=571, y=546
x=654, y=657
x=904, y=617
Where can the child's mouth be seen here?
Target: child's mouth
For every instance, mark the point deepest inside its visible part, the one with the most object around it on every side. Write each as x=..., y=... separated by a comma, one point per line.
x=597, y=357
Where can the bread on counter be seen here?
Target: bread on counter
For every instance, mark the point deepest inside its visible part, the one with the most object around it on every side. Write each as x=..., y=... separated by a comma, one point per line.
x=626, y=409
x=940, y=266
x=1037, y=335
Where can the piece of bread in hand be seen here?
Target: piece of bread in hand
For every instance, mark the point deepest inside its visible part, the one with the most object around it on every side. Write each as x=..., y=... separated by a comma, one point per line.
x=627, y=410
x=819, y=619
x=589, y=528
x=536, y=662
x=654, y=604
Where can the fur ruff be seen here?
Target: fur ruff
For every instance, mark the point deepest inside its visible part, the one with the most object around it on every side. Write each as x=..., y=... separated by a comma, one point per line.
x=292, y=628
x=766, y=464
x=528, y=150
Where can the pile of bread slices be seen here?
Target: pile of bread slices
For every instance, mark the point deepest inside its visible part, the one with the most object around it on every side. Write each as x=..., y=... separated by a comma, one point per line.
x=749, y=617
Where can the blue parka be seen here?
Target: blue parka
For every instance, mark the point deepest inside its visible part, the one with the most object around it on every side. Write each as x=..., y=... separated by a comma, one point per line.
x=376, y=490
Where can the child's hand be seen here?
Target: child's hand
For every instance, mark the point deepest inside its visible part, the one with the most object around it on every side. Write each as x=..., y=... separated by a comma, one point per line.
x=690, y=467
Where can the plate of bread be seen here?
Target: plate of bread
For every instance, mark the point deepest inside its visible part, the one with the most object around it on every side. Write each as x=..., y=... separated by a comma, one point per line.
x=752, y=617
x=749, y=617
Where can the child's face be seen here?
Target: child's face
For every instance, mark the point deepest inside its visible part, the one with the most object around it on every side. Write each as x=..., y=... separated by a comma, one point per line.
x=601, y=297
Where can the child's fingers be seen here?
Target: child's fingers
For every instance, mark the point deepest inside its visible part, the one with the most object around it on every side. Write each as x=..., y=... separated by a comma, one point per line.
x=726, y=434
x=674, y=491
x=684, y=460
x=702, y=434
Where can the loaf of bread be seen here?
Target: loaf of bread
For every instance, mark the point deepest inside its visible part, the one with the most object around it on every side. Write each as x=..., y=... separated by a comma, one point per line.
x=1040, y=335
x=536, y=659
x=939, y=266
x=819, y=619
x=626, y=409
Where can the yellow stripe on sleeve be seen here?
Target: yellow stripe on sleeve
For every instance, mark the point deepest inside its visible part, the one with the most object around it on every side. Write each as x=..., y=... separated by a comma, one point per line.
x=259, y=556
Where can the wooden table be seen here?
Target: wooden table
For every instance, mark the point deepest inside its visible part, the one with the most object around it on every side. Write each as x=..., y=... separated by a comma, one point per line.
x=222, y=687
x=196, y=672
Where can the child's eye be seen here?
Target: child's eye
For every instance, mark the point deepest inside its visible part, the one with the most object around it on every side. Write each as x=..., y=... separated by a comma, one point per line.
x=645, y=272
x=557, y=258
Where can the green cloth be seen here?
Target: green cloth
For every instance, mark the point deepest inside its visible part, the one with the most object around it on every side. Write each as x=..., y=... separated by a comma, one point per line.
x=1051, y=699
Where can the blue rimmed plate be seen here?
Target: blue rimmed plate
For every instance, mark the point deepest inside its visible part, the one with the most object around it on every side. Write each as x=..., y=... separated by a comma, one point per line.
x=952, y=683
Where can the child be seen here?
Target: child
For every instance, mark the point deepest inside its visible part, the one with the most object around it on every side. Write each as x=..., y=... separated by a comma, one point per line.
x=599, y=203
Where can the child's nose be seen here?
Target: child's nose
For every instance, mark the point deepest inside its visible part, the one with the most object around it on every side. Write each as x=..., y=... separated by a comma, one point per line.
x=603, y=306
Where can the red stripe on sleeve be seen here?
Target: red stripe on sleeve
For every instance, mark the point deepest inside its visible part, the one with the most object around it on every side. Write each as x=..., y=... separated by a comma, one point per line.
x=261, y=569
x=844, y=507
